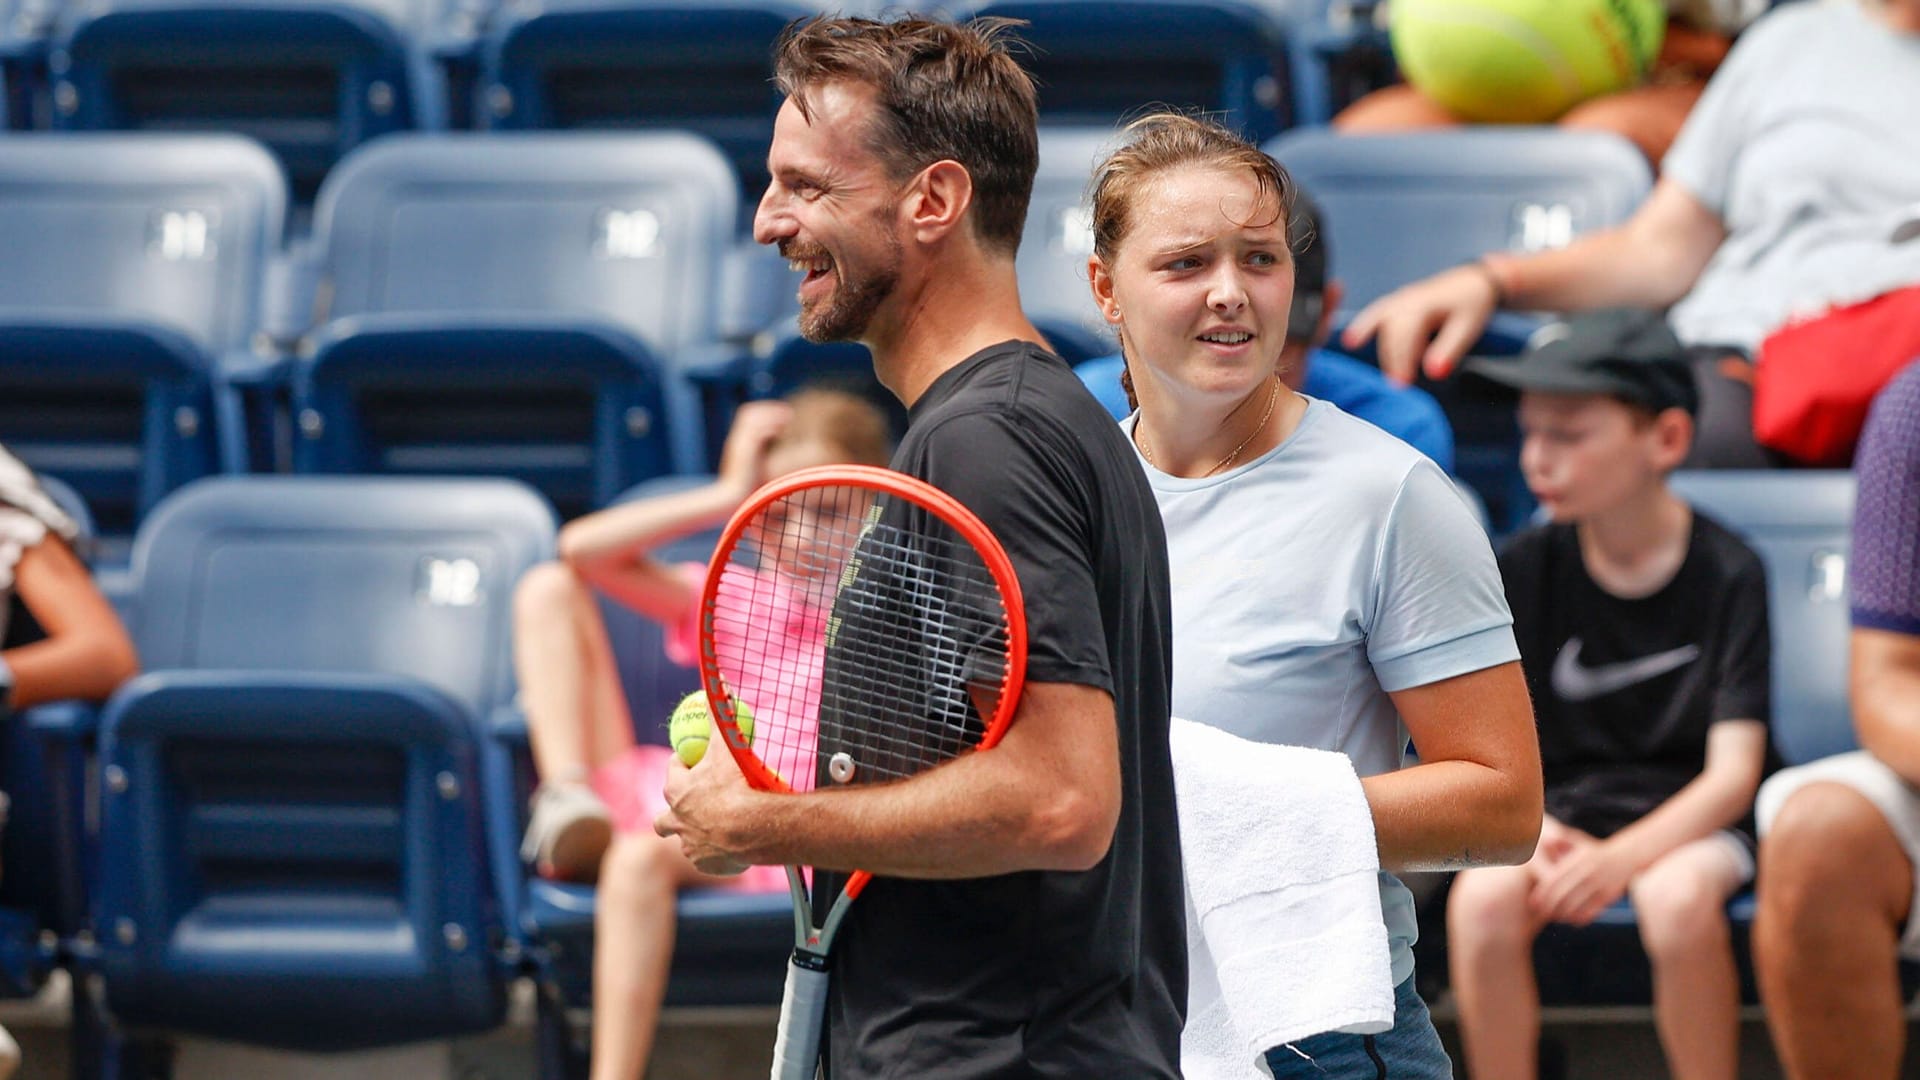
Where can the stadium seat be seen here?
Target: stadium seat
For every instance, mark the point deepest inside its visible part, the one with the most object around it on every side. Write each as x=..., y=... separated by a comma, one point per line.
x=1099, y=61
x=730, y=946
x=1401, y=207
x=132, y=273
x=312, y=79
x=519, y=305
x=25, y=26
x=697, y=65
x=294, y=842
x=1396, y=208
x=1798, y=523
x=1059, y=237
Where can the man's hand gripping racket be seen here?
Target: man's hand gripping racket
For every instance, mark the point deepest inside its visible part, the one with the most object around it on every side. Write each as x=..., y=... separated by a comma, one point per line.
x=874, y=627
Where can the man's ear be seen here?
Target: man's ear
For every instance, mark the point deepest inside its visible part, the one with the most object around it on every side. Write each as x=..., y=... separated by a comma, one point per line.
x=937, y=200
x=1102, y=284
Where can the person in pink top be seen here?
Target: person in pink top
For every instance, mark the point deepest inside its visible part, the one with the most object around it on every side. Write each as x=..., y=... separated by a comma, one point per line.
x=600, y=789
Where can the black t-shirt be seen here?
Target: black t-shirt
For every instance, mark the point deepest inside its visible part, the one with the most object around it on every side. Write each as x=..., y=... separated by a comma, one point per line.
x=1041, y=974
x=1625, y=690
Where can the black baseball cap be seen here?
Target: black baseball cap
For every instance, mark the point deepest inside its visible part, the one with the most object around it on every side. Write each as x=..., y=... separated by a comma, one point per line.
x=1625, y=353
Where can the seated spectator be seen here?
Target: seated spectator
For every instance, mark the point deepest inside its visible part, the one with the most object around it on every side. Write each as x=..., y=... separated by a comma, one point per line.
x=1356, y=388
x=1643, y=632
x=600, y=791
x=1840, y=837
x=1698, y=35
x=61, y=638
x=1778, y=214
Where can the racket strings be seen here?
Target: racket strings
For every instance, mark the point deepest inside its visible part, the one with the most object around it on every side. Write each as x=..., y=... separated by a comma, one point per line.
x=869, y=632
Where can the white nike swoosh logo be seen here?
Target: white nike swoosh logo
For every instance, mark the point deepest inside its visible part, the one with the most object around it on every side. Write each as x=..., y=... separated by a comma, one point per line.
x=1574, y=682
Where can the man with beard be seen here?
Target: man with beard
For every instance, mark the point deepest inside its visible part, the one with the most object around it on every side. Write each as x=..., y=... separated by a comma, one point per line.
x=1026, y=916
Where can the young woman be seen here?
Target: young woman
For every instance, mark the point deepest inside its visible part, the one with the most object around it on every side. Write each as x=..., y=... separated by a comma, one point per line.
x=1330, y=587
x=600, y=791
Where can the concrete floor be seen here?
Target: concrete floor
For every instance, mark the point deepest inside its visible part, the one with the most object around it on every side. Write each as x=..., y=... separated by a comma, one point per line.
x=736, y=1044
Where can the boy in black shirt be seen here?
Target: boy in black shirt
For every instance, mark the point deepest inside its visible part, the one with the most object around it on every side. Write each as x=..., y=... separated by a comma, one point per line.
x=1643, y=631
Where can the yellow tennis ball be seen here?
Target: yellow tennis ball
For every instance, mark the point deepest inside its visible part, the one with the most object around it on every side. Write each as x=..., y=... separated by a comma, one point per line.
x=688, y=727
x=1523, y=61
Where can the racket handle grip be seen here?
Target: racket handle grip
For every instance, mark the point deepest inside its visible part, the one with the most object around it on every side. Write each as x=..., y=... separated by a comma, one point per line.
x=803, y=1012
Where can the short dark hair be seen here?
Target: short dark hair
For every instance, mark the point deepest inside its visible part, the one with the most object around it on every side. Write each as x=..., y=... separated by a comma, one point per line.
x=944, y=91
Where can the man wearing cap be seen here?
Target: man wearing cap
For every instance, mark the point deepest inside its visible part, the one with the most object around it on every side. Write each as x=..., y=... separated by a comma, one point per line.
x=1643, y=633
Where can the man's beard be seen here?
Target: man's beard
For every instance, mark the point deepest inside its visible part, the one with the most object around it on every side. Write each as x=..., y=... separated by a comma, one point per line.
x=846, y=312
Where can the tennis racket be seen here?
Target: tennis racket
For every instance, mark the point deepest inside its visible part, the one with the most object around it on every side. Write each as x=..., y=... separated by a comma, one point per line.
x=873, y=628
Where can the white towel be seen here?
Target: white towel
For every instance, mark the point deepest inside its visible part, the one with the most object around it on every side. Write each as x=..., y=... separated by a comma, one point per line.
x=1285, y=938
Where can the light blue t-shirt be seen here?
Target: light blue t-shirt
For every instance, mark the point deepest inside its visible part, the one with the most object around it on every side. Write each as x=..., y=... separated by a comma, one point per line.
x=1807, y=145
x=1311, y=582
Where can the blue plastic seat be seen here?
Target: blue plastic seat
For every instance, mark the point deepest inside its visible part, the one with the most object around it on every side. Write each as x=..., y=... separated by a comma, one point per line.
x=1401, y=207
x=133, y=269
x=298, y=844
x=1058, y=238
x=312, y=79
x=1798, y=523
x=1099, y=61
x=518, y=305
x=704, y=66
x=1396, y=208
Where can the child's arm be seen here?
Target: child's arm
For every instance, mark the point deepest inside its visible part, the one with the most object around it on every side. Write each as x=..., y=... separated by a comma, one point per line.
x=1721, y=795
x=612, y=549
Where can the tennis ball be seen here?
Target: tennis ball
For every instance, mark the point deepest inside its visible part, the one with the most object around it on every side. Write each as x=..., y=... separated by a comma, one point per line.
x=688, y=727
x=1523, y=61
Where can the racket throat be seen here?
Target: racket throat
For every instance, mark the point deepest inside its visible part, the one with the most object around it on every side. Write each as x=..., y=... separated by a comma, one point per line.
x=810, y=956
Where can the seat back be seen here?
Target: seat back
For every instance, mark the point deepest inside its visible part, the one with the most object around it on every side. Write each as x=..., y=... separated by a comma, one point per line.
x=401, y=576
x=1397, y=208
x=627, y=229
x=1058, y=237
x=312, y=79
x=1799, y=524
x=133, y=262
x=291, y=796
x=1099, y=61
x=455, y=260
x=704, y=66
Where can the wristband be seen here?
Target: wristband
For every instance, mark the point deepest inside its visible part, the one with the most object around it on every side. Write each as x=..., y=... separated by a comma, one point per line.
x=6, y=686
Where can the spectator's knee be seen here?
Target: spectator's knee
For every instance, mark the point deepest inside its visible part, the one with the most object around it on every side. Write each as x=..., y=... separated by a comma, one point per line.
x=1826, y=846
x=1680, y=909
x=637, y=868
x=1487, y=910
x=544, y=591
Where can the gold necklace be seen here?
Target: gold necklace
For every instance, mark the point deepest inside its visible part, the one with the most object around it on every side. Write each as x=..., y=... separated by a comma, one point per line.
x=1272, y=396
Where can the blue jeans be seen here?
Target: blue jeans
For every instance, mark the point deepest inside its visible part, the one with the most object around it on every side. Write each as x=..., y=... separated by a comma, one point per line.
x=1410, y=1051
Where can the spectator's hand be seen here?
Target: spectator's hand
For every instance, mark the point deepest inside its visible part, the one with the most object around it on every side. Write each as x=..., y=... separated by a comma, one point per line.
x=702, y=804
x=1428, y=325
x=743, y=460
x=1578, y=887
x=1557, y=841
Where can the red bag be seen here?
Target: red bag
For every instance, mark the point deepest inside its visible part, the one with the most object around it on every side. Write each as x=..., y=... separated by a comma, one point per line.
x=1814, y=380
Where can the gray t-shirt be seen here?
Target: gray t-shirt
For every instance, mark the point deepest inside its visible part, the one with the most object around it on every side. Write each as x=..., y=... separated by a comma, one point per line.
x=1807, y=145
x=1311, y=582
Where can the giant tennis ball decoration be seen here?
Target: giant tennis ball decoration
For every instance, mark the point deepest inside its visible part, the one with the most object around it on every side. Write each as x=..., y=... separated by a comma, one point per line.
x=688, y=727
x=1523, y=61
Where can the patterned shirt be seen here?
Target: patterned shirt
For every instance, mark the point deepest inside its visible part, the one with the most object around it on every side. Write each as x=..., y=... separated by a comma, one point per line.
x=1886, y=513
